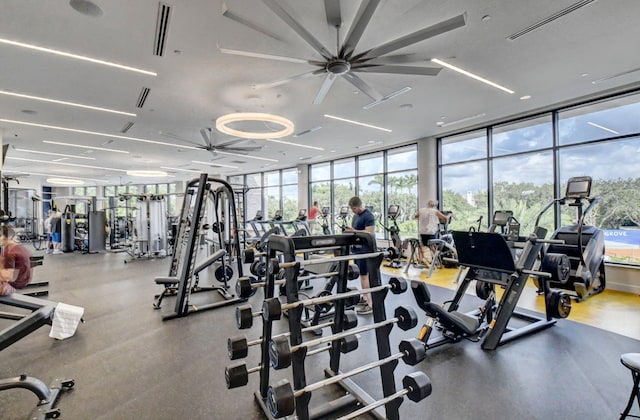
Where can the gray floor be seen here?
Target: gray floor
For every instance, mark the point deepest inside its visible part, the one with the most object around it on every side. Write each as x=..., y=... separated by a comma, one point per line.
x=128, y=363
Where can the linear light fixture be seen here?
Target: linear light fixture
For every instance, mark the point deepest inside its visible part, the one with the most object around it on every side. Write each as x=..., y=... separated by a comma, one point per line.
x=613, y=76
x=289, y=143
x=57, y=176
x=222, y=125
x=65, y=181
x=179, y=169
x=461, y=120
x=471, y=75
x=55, y=154
x=386, y=98
x=244, y=156
x=96, y=133
x=65, y=164
x=603, y=127
x=369, y=144
x=144, y=173
x=84, y=147
x=75, y=56
x=214, y=164
x=354, y=122
x=55, y=101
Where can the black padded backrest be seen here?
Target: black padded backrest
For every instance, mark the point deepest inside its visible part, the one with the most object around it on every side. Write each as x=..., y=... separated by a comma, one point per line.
x=485, y=250
x=421, y=293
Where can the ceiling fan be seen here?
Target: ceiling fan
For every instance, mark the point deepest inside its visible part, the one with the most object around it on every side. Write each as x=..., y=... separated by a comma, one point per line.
x=212, y=146
x=345, y=62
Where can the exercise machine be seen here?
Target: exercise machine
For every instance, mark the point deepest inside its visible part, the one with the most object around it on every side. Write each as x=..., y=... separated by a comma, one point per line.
x=183, y=278
x=393, y=212
x=40, y=313
x=583, y=244
x=324, y=222
x=341, y=221
x=486, y=258
x=443, y=249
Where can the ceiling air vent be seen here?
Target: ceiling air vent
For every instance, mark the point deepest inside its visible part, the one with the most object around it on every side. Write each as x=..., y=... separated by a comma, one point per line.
x=239, y=162
x=144, y=93
x=550, y=19
x=127, y=127
x=162, y=27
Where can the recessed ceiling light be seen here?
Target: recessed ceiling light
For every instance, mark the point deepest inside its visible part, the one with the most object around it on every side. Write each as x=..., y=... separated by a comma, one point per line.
x=525, y=97
x=584, y=74
x=440, y=123
x=289, y=143
x=179, y=169
x=65, y=164
x=215, y=164
x=86, y=8
x=57, y=176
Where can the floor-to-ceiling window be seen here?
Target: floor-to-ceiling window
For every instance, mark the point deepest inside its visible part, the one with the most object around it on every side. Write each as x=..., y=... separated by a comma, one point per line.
x=522, y=165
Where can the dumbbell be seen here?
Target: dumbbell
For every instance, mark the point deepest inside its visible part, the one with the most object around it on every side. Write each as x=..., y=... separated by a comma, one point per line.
x=238, y=346
x=272, y=308
x=250, y=254
x=280, y=351
x=258, y=268
x=281, y=396
x=417, y=387
x=275, y=266
x=238, y=375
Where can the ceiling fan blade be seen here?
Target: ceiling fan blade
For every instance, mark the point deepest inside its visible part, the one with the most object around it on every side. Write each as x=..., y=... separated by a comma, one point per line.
x=360, y=22
x=334, y=15
x=426, y=33
x=324, y=89
x=393, y=59
x=299, y=29
x=206, y=135
x=420, y=71
x=267, y=56
x=289, y=79
x=363, y=86
x=249, y=24
x=241, y=149
x=180, y=139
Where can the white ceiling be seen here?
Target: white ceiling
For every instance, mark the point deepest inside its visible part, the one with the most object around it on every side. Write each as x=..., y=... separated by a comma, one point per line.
x=196, y=83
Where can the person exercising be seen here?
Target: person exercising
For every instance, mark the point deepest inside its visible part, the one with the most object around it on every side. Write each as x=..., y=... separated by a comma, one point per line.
x=428, y=226
x=313, y=215
x=15, y=265
x=363, y=220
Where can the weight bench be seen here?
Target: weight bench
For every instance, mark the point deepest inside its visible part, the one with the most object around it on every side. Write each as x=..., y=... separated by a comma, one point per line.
x=41, y=314
x=171, y=283
x=36, y=261
x=458, y=325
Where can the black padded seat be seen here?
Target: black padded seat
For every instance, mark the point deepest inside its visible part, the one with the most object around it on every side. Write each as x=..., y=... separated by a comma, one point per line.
x=632, y=362
x=209, y=260
x=167, y=280
x=454, y=321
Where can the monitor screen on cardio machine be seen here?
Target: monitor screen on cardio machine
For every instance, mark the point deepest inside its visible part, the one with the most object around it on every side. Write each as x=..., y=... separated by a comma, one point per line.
x=344, y=211
x=578, y=187
x=502, y=217
x=325, y=211
x=393, y=211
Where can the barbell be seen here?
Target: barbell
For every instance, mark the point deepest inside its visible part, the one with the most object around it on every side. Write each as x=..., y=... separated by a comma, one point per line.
x=417, y=386
x=238, y=346
x=280, y=351
x=238, y=375
x=272, y=308
x=281, y=396
x=275, y=265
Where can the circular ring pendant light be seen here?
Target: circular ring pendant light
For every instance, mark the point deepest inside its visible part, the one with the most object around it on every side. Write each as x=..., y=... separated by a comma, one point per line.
x=222, y=125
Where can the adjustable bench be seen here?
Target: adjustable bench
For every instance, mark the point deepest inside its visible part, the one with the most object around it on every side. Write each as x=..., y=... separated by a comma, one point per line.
x=41, y=314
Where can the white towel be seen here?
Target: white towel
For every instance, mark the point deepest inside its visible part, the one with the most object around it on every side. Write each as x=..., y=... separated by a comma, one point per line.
x=65, y=321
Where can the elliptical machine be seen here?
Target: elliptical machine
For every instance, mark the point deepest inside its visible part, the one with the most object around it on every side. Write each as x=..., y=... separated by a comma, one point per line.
x=583, y=244
x=393, y=212
x=323, y=221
